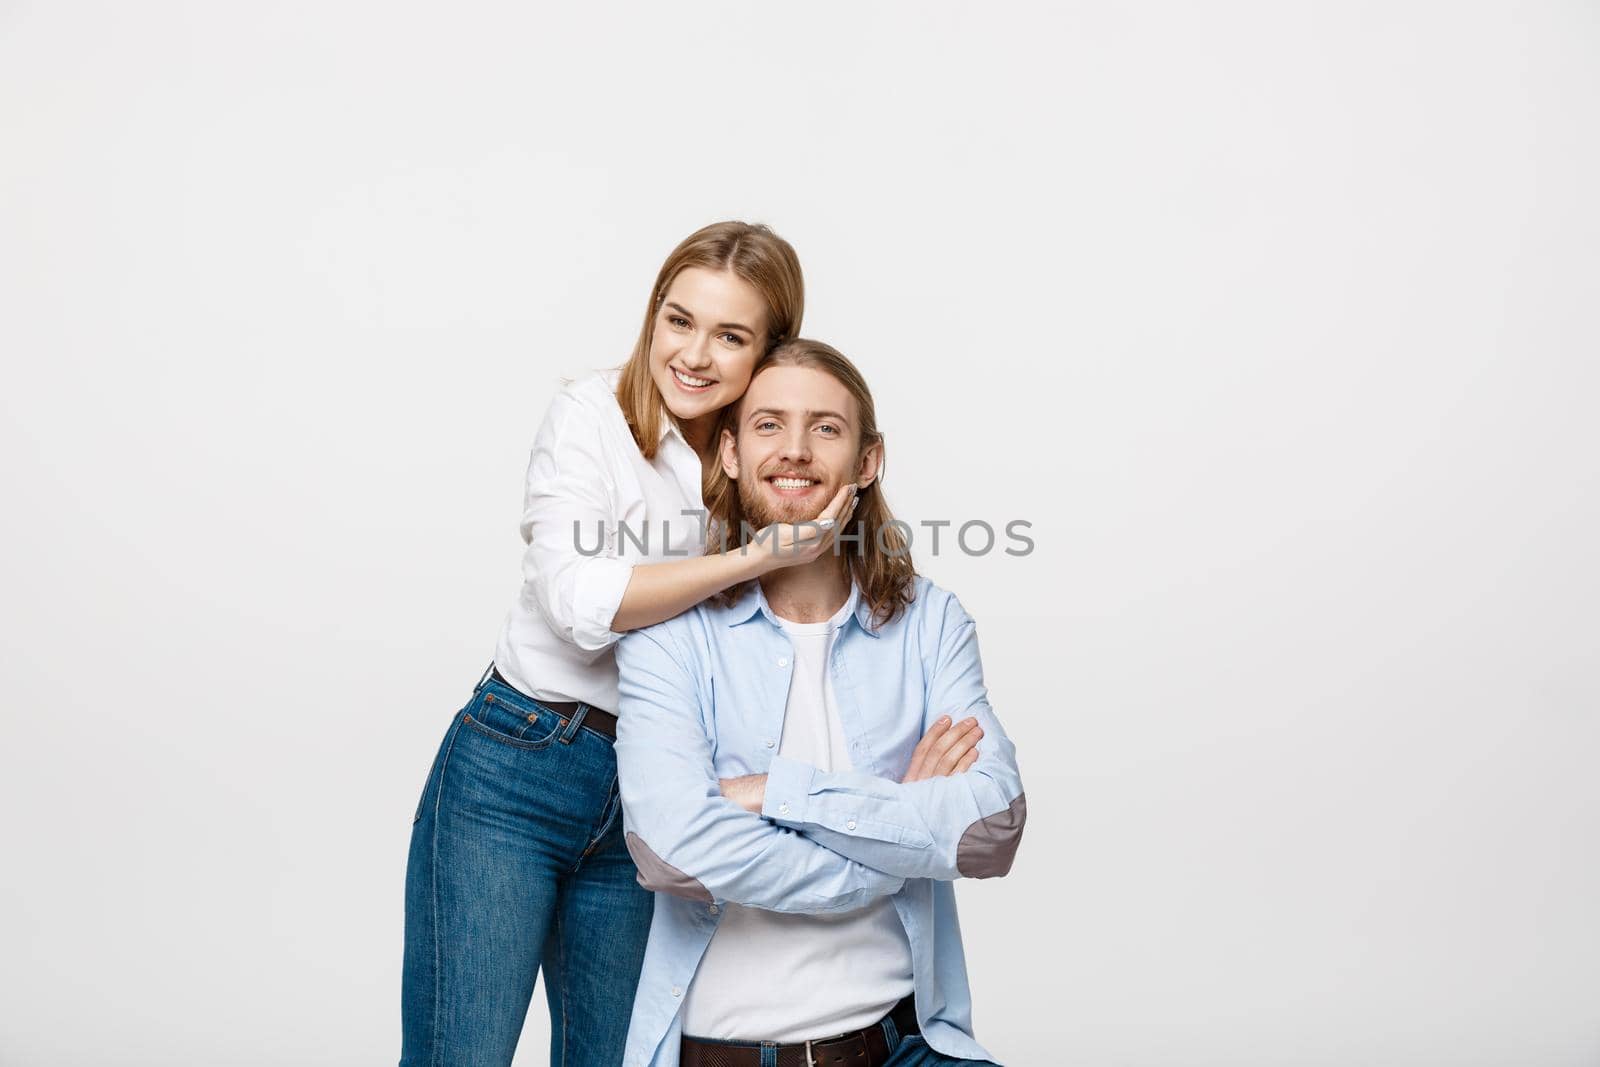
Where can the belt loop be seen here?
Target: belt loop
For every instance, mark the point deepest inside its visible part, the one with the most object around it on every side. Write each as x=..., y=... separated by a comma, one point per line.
x=890, y=1033
x=769, y=1054
x=572, y=724
x=484, y=677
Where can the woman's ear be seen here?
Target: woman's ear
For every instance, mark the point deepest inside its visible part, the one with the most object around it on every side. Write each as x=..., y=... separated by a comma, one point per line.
x=870, y=466
x=728, y=452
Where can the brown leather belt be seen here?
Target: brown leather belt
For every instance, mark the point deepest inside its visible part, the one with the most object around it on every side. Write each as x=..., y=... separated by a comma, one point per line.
x=597, y=719
x=862, y=1048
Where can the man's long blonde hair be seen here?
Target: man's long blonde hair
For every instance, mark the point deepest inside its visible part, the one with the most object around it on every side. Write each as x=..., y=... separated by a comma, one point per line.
x=880, y=561
x=756, y=256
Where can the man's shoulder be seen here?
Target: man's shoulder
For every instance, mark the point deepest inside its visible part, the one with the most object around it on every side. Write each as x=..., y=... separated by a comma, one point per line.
x=932, y=606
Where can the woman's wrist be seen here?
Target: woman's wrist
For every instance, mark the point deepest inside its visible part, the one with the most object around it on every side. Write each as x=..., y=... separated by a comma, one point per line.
x=750, y=560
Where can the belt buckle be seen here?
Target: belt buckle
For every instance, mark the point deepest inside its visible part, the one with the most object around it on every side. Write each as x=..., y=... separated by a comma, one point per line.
x=810, y=1060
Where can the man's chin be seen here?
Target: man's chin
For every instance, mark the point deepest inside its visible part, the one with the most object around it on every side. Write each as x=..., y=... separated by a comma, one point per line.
x=763, y=512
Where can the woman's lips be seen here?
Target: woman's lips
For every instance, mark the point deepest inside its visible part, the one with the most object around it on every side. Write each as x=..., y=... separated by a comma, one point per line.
x=690, y=383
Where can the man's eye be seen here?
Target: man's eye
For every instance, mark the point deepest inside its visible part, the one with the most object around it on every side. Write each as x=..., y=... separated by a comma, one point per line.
x=766, y=424
x=829, y=427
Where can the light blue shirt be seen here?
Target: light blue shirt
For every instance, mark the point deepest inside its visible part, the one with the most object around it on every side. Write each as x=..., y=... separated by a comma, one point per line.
x=702, y=697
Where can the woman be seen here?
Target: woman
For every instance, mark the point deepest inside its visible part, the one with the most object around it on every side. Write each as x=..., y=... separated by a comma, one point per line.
x=517, y=860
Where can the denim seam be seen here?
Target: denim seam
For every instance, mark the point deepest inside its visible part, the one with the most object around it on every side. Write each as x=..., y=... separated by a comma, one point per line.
x=433, y=893
x=609, y=816
x=561, y=956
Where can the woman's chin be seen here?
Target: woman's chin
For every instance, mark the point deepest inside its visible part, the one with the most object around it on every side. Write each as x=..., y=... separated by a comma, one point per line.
x=689, y=408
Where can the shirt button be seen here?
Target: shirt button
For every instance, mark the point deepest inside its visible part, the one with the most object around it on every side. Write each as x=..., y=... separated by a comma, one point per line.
x=851, y=825
x=783, y=809
x=677, y=992
x=770, y=742
x=783, y=661
x=713, y=909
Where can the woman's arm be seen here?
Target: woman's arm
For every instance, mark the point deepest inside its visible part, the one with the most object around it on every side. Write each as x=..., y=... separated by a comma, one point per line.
x=590, y=598
x=658, y=591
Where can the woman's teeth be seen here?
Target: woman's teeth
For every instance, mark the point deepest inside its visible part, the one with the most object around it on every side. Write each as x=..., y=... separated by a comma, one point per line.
x=691, y=382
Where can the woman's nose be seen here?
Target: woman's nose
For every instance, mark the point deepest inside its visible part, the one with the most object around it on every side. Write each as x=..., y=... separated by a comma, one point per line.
x=697, y=353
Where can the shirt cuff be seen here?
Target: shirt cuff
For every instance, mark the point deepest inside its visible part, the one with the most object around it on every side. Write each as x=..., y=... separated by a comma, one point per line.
x=597, y=594
x=788, y=791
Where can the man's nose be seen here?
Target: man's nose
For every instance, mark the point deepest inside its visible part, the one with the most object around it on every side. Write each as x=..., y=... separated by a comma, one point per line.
x=797, y=445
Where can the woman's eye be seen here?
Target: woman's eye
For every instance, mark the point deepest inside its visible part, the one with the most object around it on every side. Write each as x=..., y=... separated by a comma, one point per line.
x=677, y=320
x=733, y=339
x=828, y=428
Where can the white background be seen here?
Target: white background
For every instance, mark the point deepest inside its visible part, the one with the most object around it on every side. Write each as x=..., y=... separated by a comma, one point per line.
x=1277, y=321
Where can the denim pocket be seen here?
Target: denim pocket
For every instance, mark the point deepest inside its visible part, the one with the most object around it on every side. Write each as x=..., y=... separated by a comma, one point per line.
x=520, y=723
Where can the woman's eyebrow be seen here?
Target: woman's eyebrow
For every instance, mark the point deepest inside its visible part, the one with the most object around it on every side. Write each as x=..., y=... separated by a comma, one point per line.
x=680, y=309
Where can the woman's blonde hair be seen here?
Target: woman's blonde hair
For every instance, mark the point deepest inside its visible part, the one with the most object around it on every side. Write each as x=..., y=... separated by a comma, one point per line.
x=756, y=256
x=874, y=544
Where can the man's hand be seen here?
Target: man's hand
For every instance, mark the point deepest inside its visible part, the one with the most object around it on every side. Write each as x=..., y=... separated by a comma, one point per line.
x=749, y=791
x=945, y=750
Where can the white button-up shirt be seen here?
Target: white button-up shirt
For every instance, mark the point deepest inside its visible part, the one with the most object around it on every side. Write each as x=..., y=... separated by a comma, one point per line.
x=594, y=508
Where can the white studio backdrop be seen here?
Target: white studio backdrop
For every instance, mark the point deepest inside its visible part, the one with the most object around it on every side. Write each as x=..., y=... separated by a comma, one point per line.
x=1276, y=321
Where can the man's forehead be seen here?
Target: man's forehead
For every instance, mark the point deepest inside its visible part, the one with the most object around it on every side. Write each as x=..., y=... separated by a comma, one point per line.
x=798, y=389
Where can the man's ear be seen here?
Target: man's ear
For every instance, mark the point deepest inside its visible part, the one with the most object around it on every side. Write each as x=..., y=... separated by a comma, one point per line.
x=728, y=452
x=871, y=464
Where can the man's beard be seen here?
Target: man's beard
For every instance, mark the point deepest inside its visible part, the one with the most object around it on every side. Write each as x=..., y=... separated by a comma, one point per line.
x=759, y=513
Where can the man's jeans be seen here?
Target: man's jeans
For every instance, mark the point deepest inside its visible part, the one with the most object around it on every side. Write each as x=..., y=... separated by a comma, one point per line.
x=914, y=1052
x=517, y=862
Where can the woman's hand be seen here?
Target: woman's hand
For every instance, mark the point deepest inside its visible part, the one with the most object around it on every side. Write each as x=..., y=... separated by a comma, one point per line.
x=945, y=750
x=786, y=544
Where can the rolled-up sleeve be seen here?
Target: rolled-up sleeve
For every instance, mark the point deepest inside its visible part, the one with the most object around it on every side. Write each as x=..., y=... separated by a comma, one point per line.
x=568, y=523
x=685, y=837
x=966, y=825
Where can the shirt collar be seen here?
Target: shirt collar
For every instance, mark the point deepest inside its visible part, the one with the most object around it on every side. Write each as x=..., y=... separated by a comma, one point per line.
x=669, y=427
x=751, y=601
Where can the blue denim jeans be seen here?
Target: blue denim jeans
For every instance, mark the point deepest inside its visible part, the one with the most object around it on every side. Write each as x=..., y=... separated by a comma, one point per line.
x=914, y=1052
x=517, y=863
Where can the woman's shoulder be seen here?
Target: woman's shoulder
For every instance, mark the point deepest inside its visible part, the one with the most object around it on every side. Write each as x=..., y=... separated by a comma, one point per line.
x=596, y=390
x=589, y=400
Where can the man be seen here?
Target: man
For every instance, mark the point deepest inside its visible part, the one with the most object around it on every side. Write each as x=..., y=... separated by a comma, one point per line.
x=801, y=839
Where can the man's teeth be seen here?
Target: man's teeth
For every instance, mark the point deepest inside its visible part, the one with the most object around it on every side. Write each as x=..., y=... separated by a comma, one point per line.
x=693, y=383
x=793, y=483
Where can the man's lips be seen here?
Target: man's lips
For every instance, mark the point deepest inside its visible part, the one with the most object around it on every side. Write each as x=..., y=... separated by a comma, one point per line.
x=791, y=483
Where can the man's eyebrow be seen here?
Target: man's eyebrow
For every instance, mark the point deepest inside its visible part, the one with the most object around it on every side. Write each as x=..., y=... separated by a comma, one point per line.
x=685, y=312
x=834, y=415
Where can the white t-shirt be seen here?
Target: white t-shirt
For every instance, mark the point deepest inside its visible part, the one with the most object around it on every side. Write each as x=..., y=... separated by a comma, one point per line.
x=773, y=976
x=587, y=470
